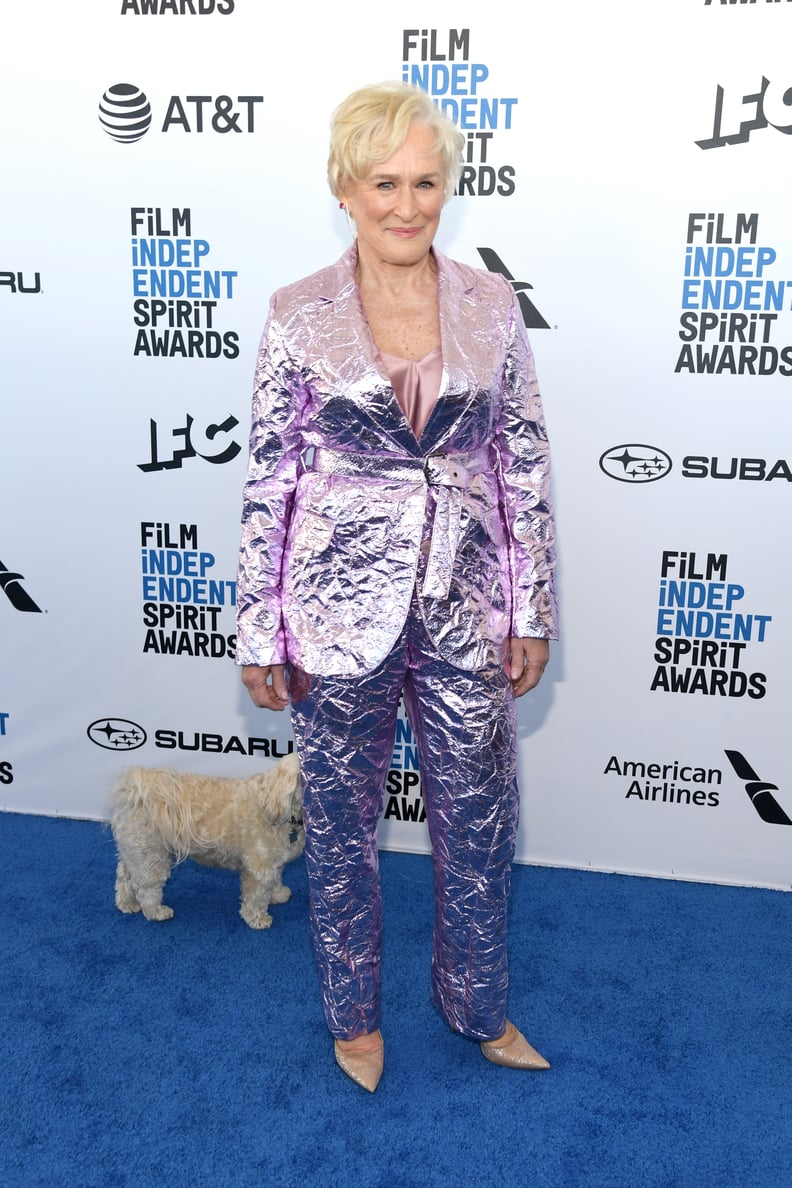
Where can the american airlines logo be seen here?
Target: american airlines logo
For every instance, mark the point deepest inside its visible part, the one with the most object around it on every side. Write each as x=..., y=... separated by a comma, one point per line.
x=10, y=584
x=759, y=791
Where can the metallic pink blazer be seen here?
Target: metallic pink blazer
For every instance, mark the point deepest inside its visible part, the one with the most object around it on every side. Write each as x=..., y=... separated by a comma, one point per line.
x=345, y=513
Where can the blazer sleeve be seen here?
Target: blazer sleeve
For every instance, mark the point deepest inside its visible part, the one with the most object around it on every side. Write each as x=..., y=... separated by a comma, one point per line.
x=273, y=469
x=524, y=479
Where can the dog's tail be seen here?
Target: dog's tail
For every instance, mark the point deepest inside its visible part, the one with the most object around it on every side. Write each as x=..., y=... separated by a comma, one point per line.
x=157, y=797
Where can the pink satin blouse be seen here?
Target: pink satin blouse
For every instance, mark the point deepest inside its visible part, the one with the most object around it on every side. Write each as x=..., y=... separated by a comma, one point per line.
x=416, y=384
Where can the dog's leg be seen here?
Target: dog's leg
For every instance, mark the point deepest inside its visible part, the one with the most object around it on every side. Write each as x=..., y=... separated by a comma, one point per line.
x=256, y=898
x=280, y=893
x=148, y=869
x=155, y=911
x=297, y=846
x=125, y=898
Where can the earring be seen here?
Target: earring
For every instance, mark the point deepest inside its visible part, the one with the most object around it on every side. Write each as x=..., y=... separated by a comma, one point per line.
x=350, y=221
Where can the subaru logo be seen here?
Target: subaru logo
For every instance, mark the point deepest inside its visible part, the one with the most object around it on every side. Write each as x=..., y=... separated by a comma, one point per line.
x=635, y=463
x=116, y=734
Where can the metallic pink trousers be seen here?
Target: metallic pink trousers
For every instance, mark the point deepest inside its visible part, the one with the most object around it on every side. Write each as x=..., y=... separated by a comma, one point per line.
x=465, y=728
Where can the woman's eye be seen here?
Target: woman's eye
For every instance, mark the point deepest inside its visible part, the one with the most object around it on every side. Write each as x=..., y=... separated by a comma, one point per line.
x=426, y=185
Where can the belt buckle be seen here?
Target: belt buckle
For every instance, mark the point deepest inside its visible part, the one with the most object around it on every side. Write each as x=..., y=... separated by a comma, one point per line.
x=447, y=473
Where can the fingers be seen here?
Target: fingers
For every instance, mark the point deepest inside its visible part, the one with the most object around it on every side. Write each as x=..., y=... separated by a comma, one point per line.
x=530, y=677
x=279, y=684
x=266, y=686
x=528, y=660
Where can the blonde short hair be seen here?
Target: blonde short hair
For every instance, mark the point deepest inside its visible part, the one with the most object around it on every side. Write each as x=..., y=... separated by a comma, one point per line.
x=372, y=124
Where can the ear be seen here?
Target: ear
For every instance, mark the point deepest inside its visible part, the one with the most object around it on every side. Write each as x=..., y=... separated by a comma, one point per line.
x=277, y=789
x=343, y=202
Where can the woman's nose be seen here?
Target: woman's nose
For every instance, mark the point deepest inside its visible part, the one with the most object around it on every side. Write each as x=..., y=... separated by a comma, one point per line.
x=405, y=203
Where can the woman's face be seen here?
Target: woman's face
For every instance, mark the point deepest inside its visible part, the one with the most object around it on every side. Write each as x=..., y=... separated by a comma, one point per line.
x=397, y=205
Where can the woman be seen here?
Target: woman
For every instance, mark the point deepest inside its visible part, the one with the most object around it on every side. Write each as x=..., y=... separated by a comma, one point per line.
x=397, y=538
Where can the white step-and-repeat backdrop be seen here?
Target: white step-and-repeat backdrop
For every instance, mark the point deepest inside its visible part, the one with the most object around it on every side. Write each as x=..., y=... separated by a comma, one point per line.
x=627, y=167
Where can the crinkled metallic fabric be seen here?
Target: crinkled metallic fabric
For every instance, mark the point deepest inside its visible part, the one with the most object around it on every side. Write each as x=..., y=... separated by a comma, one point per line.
x=375, y=563
x=465, y=729
x=346, y=512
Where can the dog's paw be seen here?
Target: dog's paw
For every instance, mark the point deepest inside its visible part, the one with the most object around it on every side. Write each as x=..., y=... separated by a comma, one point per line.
x=160, y=912
x=128, y=906
x=281, y=894
x=256, y=919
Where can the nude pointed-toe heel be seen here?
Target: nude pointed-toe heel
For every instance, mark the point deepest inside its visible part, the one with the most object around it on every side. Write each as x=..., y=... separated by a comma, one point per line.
x=364, y=1068
x=512, y=1050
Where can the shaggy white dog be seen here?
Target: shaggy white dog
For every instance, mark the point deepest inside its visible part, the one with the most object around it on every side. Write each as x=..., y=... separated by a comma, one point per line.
x=252, y=825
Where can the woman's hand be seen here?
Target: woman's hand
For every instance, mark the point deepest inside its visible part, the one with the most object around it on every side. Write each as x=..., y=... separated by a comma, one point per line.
x=266, y=686
x=525, y=663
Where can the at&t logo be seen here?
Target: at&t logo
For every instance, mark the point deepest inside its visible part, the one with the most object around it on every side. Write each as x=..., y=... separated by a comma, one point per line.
x=635, y=463
x=126, y=115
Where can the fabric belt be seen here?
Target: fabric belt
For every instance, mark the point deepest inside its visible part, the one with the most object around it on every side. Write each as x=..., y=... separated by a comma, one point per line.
x=451, y=474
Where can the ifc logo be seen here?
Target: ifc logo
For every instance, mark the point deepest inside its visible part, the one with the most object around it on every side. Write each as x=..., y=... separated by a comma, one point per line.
x=125, y=113
x=635, y=463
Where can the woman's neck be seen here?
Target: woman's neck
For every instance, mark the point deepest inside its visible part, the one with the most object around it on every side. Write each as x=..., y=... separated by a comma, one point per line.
x=376, y=275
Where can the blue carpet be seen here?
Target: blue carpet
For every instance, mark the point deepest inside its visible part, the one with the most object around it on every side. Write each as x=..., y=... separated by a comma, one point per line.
x=194, y=1052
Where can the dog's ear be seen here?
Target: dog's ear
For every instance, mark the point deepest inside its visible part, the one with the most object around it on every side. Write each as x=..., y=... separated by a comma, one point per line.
x=277, y=788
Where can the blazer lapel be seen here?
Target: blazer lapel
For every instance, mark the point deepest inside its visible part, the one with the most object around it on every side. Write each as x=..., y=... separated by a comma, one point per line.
x=460, y=326
x=345, y=341
x=354, y=355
